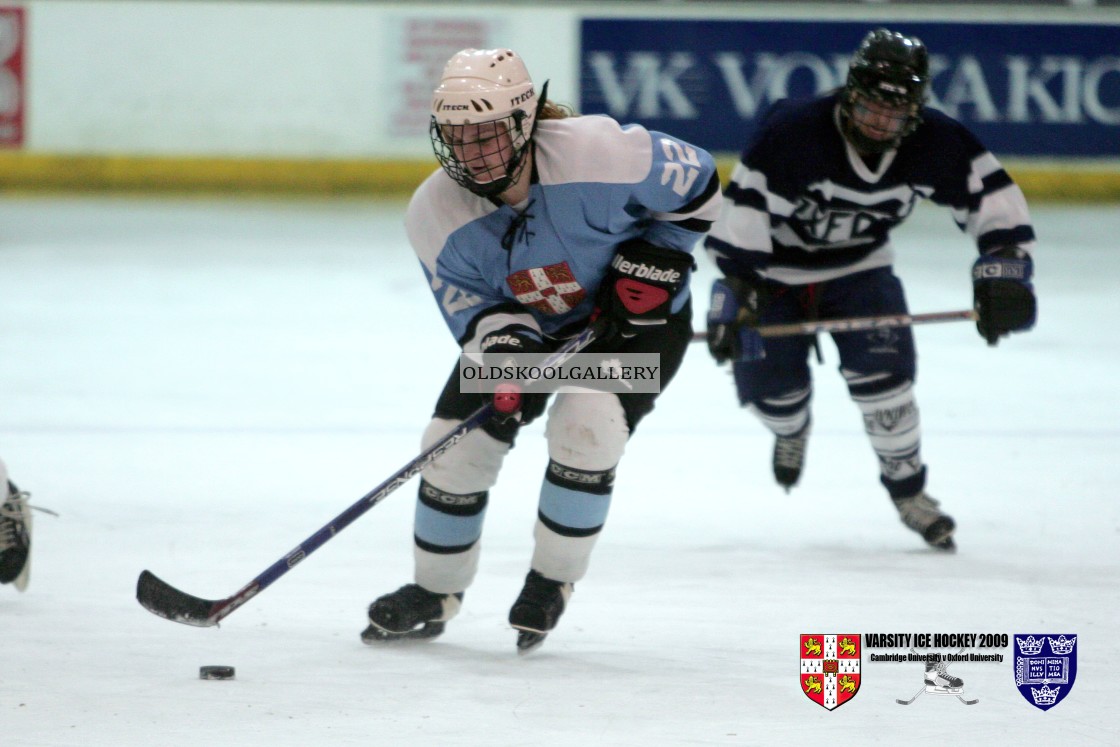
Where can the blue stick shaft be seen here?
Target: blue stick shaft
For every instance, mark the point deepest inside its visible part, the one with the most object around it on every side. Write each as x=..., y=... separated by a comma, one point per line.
x=351, y=514
x=166, y=601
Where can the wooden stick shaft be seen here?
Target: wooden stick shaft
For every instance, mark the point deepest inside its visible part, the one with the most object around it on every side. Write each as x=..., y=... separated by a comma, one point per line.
x=855, y=324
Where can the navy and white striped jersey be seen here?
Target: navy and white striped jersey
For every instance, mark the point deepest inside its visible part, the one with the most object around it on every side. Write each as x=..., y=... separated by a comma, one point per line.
x=803, y=207
x=595, y=185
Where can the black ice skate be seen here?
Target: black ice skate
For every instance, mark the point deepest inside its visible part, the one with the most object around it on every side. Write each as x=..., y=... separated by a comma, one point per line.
x=538, y=609
x=15, y=539
x=789, y=456
x=921, y=513
x=938, y=681
x=410, y=613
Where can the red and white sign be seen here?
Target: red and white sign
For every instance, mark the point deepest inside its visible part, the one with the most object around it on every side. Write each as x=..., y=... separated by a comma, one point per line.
x=12, y=33
x=424, y=46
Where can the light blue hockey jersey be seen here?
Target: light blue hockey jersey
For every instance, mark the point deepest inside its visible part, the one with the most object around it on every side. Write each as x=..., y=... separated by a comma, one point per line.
x=595, y=185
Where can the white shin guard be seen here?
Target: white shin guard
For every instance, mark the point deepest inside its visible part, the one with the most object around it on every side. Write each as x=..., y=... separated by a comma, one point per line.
x=893, y=426
x=446, y=573
x=587, y=433
x=472, y=466
x=561, y=558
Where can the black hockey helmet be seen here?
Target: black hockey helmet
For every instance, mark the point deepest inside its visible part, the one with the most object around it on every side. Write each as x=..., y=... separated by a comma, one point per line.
x=891, y=69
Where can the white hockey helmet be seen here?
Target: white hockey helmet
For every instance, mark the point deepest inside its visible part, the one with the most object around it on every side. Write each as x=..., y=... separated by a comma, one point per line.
x=481, y=86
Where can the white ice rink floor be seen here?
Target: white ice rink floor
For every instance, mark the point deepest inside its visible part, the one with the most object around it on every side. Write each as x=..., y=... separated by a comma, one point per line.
x=196, y=386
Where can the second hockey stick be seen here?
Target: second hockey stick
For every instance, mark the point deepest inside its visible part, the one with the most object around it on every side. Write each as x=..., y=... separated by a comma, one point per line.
x=163, y=599
x=856, y=324
x=966, y=701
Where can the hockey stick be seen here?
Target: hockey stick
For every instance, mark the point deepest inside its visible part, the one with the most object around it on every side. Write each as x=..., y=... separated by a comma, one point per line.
x=160, y=598
x=855, y=324
x=900, y=701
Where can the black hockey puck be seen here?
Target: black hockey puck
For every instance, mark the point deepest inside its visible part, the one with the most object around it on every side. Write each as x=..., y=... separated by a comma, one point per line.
x=215, y=673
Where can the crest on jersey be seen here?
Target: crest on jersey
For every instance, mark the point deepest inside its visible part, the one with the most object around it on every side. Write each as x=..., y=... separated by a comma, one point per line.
x=830, y=667
x=550, y=290
x=1045, y=666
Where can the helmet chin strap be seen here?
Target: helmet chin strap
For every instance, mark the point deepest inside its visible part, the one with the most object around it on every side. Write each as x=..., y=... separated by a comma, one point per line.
x=497, y=186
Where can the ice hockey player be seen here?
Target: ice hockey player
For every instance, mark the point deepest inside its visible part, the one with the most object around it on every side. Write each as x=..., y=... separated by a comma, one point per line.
x=538, y=222
x=15, y=534
x=805, y=235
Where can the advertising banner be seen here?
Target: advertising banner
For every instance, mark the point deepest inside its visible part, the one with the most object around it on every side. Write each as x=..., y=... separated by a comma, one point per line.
x=1047, y=90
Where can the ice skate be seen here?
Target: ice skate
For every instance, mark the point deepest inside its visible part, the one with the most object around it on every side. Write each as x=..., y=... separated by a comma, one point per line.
x=921, y=513
x=410, y=613
x=538, y=609
x=789, y=456
x=940, y=682
x=15, y=539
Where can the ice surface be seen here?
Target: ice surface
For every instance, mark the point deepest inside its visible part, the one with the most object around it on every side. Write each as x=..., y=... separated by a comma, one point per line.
x=198, y=385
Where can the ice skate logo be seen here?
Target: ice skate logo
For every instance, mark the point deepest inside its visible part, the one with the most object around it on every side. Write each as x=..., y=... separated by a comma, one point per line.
x=550, y=290
x=1045, y=667
x=830, y=667
x=938, y=681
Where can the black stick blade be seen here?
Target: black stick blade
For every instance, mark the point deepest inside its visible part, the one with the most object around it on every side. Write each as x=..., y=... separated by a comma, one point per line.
x=163, y=599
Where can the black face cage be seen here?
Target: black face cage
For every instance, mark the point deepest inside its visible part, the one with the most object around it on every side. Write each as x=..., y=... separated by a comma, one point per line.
x=875, y=82
x=481, y=180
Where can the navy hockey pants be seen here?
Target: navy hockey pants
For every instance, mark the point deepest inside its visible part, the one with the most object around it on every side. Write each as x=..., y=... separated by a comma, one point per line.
x=786, y=365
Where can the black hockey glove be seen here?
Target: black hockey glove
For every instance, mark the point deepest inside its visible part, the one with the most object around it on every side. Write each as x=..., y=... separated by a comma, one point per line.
x=1002, y=294
x=638, y=289
x=507, y=349
x=736, y=306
